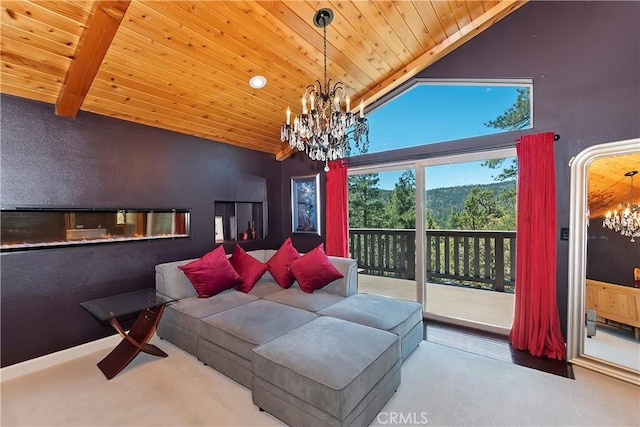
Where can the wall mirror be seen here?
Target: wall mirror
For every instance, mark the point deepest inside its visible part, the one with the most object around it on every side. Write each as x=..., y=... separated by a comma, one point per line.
x=604, y=300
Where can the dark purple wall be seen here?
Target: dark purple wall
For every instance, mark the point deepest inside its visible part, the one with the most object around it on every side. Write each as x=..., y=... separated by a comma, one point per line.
x=95, y=161
x=584, y=59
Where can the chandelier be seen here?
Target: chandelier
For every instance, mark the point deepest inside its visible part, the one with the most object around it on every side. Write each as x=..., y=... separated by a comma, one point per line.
x=626, y=218
x=323, y=130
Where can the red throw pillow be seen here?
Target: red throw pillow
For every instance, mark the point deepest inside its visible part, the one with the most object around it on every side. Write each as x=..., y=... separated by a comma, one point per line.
x=278, y=264
x=314, y=270
x=212, y=273
x=247, y=267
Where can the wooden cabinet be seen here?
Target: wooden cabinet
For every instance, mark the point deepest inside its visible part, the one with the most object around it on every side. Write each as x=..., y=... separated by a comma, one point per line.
x=615, y=302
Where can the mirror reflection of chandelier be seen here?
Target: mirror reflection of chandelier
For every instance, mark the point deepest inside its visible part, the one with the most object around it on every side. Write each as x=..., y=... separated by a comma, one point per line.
x=626, y=218
x=323, y=130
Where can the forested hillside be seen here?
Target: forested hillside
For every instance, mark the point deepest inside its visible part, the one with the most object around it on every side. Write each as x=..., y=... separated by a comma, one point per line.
x=442, y=203
x=472, y=207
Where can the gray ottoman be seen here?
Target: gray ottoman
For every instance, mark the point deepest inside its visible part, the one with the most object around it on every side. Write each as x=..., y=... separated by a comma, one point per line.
x=401, y=317
x=228, y=338
x=327, y=372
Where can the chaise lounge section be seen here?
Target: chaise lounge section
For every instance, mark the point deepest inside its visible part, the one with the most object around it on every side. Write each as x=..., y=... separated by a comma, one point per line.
x=327, y=372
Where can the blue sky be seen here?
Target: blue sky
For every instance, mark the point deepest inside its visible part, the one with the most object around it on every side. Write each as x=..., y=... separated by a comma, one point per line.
x=434, y=113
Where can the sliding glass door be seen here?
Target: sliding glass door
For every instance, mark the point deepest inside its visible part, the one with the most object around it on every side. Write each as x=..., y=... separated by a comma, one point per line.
x=466, y=237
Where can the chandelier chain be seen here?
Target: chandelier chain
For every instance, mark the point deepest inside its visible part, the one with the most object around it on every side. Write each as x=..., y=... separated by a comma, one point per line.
x=324, y=27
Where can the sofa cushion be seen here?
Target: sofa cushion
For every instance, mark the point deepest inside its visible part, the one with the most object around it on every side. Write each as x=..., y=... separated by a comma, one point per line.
x=247, y=267
x=262, y=255
x=187, y=312
x=212, y=273
x=295, y=297
x=240, y=329
x=313, y=270
x=265, y=287
x=389, y=314
x=278, y=264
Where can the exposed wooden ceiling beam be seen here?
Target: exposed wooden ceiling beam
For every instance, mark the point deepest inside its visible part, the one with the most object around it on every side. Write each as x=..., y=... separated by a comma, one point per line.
x=285, y=153
x=94, y=43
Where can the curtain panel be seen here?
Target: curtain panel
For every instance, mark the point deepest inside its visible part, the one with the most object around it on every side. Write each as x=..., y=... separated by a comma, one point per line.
x=536, y=323
x=337, y=235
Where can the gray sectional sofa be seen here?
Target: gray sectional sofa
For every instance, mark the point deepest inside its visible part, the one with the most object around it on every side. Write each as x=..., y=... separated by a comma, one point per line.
x=331, y=357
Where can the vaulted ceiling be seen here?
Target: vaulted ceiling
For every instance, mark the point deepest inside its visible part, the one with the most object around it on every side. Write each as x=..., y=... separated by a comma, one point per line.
x=185, y=65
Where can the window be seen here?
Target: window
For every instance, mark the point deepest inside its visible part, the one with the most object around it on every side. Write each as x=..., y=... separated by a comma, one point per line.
x=432, y=111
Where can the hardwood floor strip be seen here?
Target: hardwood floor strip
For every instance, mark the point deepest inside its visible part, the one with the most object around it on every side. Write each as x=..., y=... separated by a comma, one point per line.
x=491, y=345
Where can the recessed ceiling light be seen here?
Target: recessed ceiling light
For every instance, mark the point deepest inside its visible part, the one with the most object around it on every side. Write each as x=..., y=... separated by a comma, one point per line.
x=257, y=82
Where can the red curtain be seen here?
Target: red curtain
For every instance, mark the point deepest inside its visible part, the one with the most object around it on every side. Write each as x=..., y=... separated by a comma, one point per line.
x=536, y=323
x=337, y=241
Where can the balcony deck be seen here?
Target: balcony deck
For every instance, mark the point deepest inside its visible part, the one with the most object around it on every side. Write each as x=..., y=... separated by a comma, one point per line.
x=474, y=305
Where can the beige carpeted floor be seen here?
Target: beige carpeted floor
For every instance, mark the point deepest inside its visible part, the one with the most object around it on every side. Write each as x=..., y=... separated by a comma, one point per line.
x=440, y=386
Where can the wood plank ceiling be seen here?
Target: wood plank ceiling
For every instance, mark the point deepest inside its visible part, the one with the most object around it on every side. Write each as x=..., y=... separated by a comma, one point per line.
x=607, y=184
x=185, y=65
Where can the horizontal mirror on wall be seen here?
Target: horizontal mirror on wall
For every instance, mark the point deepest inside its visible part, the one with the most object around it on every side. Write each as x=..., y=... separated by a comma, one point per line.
x=33, y=228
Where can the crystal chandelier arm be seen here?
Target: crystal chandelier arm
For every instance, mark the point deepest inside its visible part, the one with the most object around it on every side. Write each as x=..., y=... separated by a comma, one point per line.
x=359, y=133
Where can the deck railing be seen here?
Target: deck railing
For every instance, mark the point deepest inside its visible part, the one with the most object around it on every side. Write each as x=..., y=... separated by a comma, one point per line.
x=484, y=259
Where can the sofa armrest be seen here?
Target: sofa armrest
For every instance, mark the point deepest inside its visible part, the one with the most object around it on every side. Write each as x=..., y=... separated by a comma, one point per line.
x=171, y=281
x=348, y=285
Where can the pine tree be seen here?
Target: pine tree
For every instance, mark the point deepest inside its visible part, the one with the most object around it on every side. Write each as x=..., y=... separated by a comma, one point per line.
x=481, y=211
x=366, y=207
x=403, y=202
x=518, y=116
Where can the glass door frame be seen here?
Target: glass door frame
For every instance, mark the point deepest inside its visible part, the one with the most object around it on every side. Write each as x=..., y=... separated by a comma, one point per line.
x=420, y=167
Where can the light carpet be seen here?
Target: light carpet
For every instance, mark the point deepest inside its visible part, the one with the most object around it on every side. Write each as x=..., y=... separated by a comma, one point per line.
x=440, y=386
